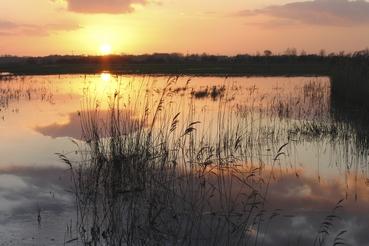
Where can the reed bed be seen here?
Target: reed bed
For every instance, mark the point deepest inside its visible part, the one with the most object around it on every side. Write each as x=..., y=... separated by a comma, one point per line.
x=158, y=171
x=155, y=182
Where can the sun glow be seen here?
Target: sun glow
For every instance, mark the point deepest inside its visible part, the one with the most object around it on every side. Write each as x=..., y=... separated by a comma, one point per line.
x=105, y=76
x=105, y=49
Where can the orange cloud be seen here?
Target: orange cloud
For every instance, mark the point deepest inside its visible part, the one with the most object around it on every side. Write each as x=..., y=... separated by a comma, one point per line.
x=98, y=6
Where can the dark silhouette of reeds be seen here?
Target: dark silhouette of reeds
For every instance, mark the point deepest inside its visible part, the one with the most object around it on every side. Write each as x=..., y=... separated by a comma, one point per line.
x=159, y=183
x=162, y=179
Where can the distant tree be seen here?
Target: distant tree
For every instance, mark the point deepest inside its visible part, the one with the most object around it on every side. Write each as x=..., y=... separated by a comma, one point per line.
x=267, y=53
x=303, y=53
x=322, y=53
x=362, y=53
x=291, y=52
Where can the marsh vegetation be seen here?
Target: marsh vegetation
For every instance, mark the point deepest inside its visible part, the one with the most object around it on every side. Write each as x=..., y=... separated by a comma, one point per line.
x=182, y=175
x=201, y=160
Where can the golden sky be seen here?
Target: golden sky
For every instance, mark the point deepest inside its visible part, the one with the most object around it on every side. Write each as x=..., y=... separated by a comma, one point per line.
x=42, y=27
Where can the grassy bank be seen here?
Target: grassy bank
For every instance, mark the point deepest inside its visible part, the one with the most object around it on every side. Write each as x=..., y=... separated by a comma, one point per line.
x=221, y=69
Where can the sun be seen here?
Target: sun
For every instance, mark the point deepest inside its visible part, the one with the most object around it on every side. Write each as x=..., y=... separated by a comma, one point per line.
x=105, y=49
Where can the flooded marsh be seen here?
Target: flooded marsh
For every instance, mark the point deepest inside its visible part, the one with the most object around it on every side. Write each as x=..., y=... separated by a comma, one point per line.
x=157, y=160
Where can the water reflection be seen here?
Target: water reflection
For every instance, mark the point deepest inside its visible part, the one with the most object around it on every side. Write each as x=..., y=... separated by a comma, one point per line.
x=105, y=76
x=308, y=201
x=326, y=158
x=73, y=128
x=25, y=193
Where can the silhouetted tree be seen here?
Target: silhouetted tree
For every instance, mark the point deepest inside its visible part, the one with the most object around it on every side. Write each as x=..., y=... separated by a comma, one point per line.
x=267, y=53
x=291, y=52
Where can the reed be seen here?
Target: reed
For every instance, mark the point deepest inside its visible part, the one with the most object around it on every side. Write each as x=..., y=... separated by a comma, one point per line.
x=158, y=172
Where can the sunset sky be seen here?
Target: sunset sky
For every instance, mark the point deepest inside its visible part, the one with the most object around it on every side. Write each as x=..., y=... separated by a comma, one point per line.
x=42, y=27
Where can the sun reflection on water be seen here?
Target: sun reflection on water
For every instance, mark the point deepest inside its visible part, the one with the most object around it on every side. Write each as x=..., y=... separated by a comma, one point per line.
x=105, y=76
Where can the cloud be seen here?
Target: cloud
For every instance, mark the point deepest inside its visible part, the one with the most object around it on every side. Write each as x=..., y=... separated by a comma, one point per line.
x=7, y=24
x=8, y=28
x=318, y=12
x=103, y=6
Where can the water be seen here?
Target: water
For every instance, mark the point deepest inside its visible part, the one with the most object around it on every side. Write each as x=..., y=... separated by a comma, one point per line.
x=324, y=161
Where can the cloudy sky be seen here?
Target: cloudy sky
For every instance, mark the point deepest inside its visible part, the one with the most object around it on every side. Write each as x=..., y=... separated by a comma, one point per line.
x=42, y=27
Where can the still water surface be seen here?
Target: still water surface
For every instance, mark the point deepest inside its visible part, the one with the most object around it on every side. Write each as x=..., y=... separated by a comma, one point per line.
x=324, y=162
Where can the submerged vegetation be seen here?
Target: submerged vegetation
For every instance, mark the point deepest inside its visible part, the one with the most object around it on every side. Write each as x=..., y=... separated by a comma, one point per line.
x=214, y=92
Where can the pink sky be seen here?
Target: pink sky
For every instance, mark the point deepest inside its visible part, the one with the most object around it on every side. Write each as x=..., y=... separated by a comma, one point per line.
x=42, y=27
